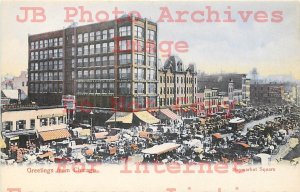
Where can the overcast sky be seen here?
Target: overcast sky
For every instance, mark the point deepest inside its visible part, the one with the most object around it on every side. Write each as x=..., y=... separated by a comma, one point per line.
x=273, y=48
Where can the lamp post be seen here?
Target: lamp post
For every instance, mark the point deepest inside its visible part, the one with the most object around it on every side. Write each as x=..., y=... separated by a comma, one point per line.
x=91, y=117
x=115, y=107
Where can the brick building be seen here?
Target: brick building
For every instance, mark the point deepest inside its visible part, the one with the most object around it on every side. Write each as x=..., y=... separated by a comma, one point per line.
x=266, y=94
x=178, y=87
x=101, y=64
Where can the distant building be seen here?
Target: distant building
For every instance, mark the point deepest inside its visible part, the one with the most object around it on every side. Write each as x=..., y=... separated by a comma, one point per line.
x=235, y=86
x=177, y=87
x=12, y=96
x=14, y=83
x=210, y=102
x=266, y=94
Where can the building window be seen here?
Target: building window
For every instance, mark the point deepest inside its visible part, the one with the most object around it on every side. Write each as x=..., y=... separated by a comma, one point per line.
x=79, y=88
x=79, y=51
x=105, y=74
x=139, y=46
x=124, y=59
x=139, y=74
x=86, y=50
x=151, y=35
x=139, y=32
x=7, y=125
x=98, y=61
x=139, y=88
x=125, y=73
x=104, y=61
x=92, y=36
x=98, y=35
x=98, y=74
x=79, y=74
x=98, y=88
x=85, y=74
x=111, y=47
x=152, y=87
x=60, y=120
x=92, y=88
x=111, y=33
x=85, y=37
x=140, y=102
x=92, y=49
x=60, y=41
x=79, y=38
x=104, y=87
x=85, y=62
x=55, y=42
x=52, y=121
x=125, y=45
x=125, y=31
x=21, y=124
x=41, y=44
x=151, y=74
x=139, y=59
x=92, y=61
x=111, y=73
x=43, y=122
x=104, y=48
x=32, y=45
x=124, y=88
x=111, y=60
x=104, y=35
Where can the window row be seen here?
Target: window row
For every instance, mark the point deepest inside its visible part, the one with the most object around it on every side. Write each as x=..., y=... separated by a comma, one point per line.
x=46, y=43
x=94, y=61
x=179, y=90
x=46, y=54
x=45, y=88
x=170, y=79
x=47, y=65
x=46, y=76
x=95, y=87
x=95, y=36
x=94, y=49
x=96, y=74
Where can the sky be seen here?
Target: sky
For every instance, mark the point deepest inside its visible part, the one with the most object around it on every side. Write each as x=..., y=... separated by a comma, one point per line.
x=273, y=48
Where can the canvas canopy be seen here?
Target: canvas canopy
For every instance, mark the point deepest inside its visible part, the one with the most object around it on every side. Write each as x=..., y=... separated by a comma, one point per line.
x=160, y=149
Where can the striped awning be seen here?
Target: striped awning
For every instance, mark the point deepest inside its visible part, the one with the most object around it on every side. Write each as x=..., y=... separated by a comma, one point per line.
x=55, y=134
x=146, y=117
x=170, y=114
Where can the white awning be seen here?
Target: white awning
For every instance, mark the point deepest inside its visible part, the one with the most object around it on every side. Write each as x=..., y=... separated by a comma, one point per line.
x=146, y=117
x=160, y=149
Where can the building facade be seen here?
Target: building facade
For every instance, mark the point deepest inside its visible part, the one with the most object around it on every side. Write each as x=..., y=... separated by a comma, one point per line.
x=21, y=123
x=235, y=86
x=107, y=65
x=178, y=87
x=266, y=94
x=17, y=83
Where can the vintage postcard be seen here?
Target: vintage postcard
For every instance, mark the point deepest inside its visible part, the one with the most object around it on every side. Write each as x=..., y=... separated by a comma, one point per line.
x=150, y=96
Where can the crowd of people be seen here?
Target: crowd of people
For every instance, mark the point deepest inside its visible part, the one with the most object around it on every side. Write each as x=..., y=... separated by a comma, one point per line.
x=211, y=139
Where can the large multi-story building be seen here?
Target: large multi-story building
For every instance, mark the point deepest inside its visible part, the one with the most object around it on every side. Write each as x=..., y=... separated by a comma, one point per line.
x=266, y=94
x=101, y=64
x=178, y=86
